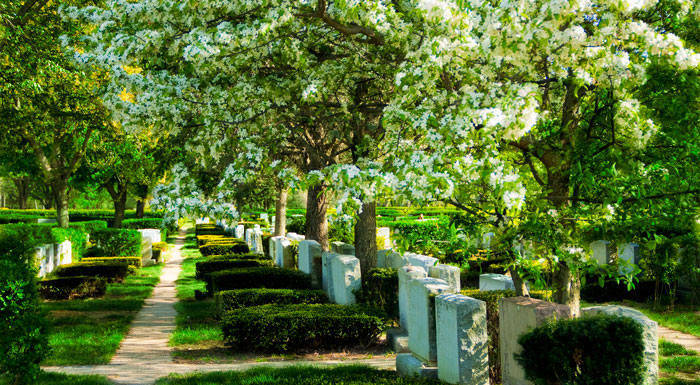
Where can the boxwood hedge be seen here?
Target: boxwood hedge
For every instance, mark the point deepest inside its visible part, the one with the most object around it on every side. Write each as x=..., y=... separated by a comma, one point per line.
x=237, y=299
x=259, y=277
x=72, y=288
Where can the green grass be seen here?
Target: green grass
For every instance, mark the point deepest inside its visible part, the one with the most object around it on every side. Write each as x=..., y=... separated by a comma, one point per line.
x=683, y=364
x=307, y=375
x=677, y=359
x=88, y=332
x=677, y=381
x=683, y=319
x=47, y=378
x=667, y=348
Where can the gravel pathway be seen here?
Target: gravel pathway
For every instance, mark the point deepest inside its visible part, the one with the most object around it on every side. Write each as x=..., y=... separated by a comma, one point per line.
x=688, y=341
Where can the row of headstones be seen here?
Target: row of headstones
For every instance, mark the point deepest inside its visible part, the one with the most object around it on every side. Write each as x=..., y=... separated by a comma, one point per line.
x=447, y=331
x=251, y=236
x=50, y=256
x=148, y=238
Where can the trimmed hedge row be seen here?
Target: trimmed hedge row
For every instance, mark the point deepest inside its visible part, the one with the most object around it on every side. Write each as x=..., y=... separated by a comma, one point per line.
x=226, y=248
x=237, y=299
x=380, y=288
x=259, y=277
x=284, y=328
x=117, y=242
x=72, y=288
x=204, y=268
x=111, y=271
x=131, y=261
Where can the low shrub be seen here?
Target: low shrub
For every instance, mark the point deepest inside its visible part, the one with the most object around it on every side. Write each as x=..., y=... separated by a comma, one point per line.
x=236, y=256
x=227, y=248
x=284, y=328
x=209, y=229
x=296, y=225
x=599, y=349
x=131, y=261
x=72, y=288
x=259, y=277
x=117, y=242
x=89, y=227
x=237, y=299
x=111, y=271
x=158, y=249
x=205, y=268
x=380, y=288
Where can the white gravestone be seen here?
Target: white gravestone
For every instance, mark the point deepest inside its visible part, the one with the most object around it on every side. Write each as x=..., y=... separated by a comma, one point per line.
x=41, y=260
x=273, y=244
x=345, y=270
x=309, y=251
x=406, y=275
x=385, y=233
x=48, y=255
x=258, y=242
x=462, y=340
x=283, y=250
x=240, y=232
x=146, y=248
x=449, y=274
x=421, y=329
x=601, y=251
x=327, y=275
x=420, y=260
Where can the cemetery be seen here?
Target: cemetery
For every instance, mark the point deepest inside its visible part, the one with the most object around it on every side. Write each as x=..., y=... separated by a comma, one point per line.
x=350, y=192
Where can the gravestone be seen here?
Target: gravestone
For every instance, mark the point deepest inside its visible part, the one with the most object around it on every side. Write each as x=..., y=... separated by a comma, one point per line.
x=146, y=248
x=258, y=242
x=66, y=252
x=335, y=246
x=516, y=316
x=628, y=252
x=309, y=250
x=273, y=244
x=46, y=220
x=486, y=240
x=249, y=238
x=345, y=270
x=239, y=232
x=41, y=260
x=396, y=261
x=449, y=274
x=492, y=282
x=347, y=249
x=385, y=233
x=326, y=272
x=48, y=255
x=421, y=322
x=462, y=340
x=650, y=330
x=406, y=274
x=382, y=258
x=283, y=249
x=601, y=251
x=420, y=260
x=407, y=365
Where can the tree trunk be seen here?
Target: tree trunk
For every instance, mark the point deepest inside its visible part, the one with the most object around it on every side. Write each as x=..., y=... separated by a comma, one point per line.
x=140, y=207
x=59, y=186
x=567, y=288
x=119, y=200
x=22, y=185
x=519, y=283
x=366, y=237
x=281, y=212
x=316, y=221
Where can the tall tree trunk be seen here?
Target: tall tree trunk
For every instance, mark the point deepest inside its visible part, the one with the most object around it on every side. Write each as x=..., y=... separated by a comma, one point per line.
x=140, y=207
x=519, y=283
x=22, y=184
x=366, y=237
x=316, y=220
x=119, y=200
x=567, y=288
x=281, y=212
x=59, y=187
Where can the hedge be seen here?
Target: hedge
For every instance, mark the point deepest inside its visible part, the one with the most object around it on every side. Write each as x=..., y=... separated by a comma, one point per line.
x=88, y=227
x=72, y=288
x=380, y=288
x=236, y=299
x=601, y=349
x=220, y=249
x=259, y=277
x=111, y=271
x=23, y=329
x=284, y=328
x=117, y=242
x=205, y=268
x=131, y=261
x=146, y=223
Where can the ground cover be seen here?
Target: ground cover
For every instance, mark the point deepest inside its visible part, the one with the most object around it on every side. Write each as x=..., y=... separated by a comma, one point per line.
x=308, y=375
x=678, y=365
x=47, y=378
x=88, y=332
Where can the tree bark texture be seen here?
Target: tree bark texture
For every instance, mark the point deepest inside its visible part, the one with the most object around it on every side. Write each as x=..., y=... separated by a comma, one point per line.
x=366, y=237
x=281, y=212
x=519, y=283
x=22, y=184
x=316, y=220
x=567, y=288
x=119, y=200
x=59, y=187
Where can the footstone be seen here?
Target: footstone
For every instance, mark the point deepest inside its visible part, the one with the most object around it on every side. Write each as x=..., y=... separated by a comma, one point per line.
x=516, y=316
x=462, y=340
x=650, y=330
x=409, y=366
x=345, y=270
x=326, y=275
x=421, y=322
x=308, y=252
x=406, y=274
x=449, y=274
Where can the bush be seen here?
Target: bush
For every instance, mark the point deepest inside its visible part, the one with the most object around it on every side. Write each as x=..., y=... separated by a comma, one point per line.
x=209, y=229
x=88, y=227
x=259, y=277
x=600, y=349
x=380, y=288
x=205, y=268
x=283, y=328
x=237, y=299
x=23, y=329
x=131, y=261
x=111, y=271
x=226, y=248
x=296, y=225
x=77, y=238
x=72, y=288
x=117, y=242
x=158, y=249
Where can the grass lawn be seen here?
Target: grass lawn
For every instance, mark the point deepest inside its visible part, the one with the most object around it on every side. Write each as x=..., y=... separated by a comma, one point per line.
x=307, y=375
x=678, y=365
x=88, y=332
x=683, y=318
x=47, y=378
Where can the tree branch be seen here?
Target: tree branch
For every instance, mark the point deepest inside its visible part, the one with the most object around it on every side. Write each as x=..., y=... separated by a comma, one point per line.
x=373, y=37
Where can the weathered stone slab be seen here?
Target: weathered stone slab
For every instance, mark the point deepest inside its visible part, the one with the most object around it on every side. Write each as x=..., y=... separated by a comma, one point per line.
x=396, y=261
x=335, y=246
x=347, y=279
x=650, y=330
x=309, y=250
x=628, y=252
x=447, y=273
x=421, y=322
x=601, y=251
x=516, y=316
x=398, y=340
x=406, y=274
x=409, y=366
x=382, y=257
x=420, y=260
x=258, y=242
x=327, y=276
x=239, y=232
x=462, y=340
x=249, y=238
x=273, y=250
x=491, y=282
x=284, y=256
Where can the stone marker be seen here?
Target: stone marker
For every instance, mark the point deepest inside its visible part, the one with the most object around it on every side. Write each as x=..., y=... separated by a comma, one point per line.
x=146, y=248
x=382, y=258
x=516, y=316
x=396, y=261
x=265, y=217
x=421, y=323
x=41, y=260
x=347, y=249
x=48, y=255
x=345, y=270
x=601, y=251
x=462, y=341
x=385, y=232
x=628, y=252
x=308, y=251
x=326, y=273
x=273, y=251
x=335, y=246
x=46, y=220
x=239, y=232
x=447, y=273
x=249, y=237
x=406, y=274
x=650, y=330
x=491, y=282
x=258, y=243
x=283, y=249
x=420, y=260
x=66, y=253
x=409, y=366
